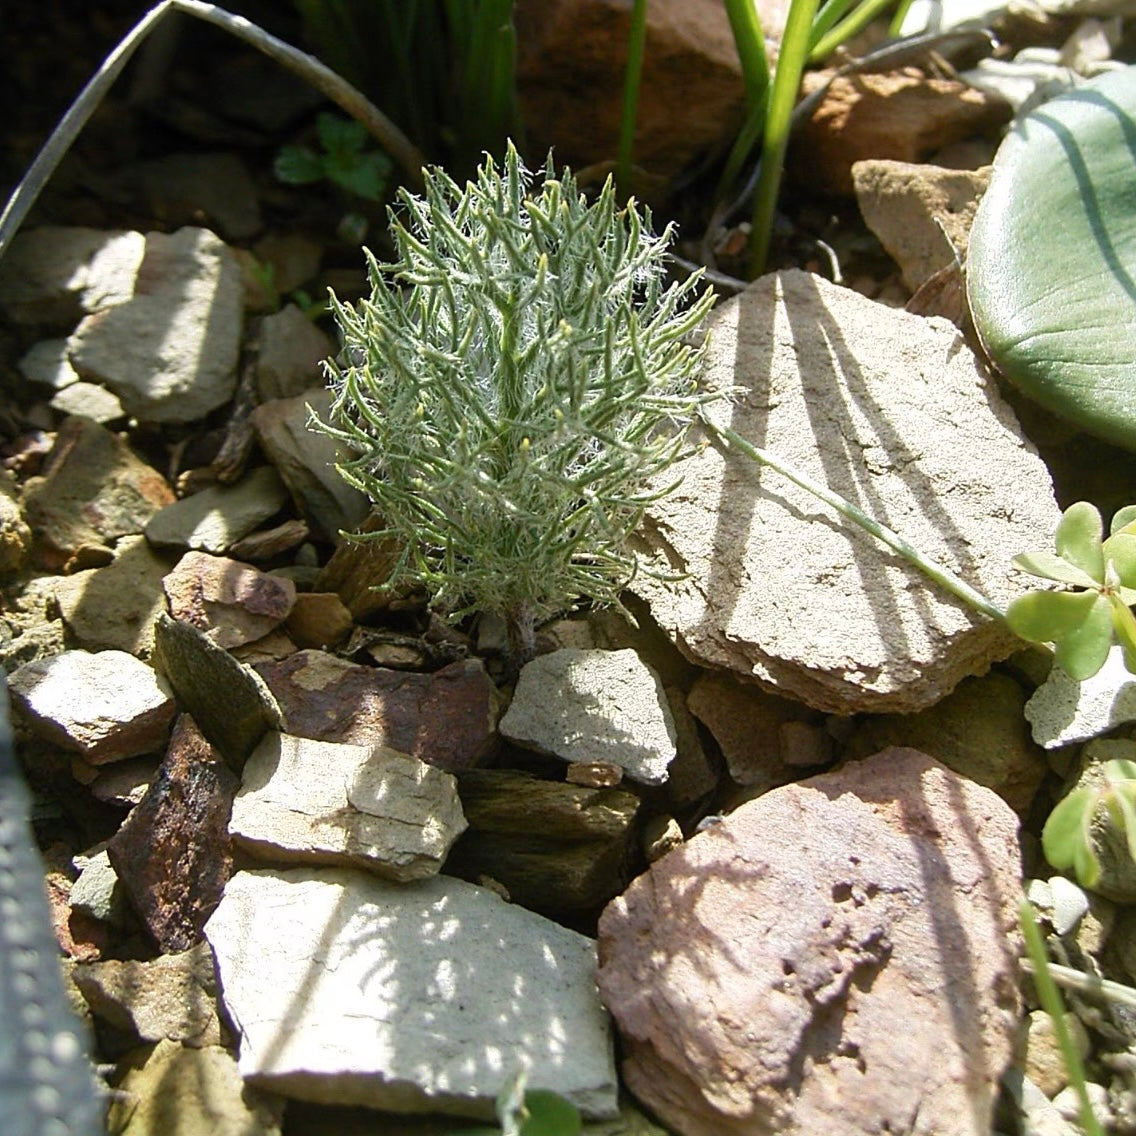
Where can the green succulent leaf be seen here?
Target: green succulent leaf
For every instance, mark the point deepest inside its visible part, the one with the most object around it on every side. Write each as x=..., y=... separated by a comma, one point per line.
x=1078, y=538
x=1047, y=617
x=1067, y=836
x=299, y=165
x=1123, y=519
x=1050, y=566
x=1120, y=551
x=1082, y=650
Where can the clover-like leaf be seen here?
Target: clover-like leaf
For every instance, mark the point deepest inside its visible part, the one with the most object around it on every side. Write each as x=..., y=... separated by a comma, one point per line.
x=1050, y=566
x=1078, y=539
x=1066, y=838
x=1120, y=551
x=298, y=165
x=1123, y=520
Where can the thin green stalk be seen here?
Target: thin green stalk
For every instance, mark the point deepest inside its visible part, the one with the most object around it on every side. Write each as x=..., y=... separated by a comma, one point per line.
x=941, y=575
x=631, y=82
x=749, y=39
x=786, y=83
x=895, y=28
x=859, y=18
x=1051, y=1002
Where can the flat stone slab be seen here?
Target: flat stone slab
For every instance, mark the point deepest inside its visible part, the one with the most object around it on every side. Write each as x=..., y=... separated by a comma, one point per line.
x=348, y=989
x=893, y=412
x=591, y=705
x=305, y=801
x=1063, y=711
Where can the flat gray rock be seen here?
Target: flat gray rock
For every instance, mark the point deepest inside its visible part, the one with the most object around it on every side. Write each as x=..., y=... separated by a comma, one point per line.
x=104, y=706
x=169, y=351
x=371, y=807
x=592, y=705
x=349, y=989
x=893, y=412
x=210, y=521
x=1063, y=711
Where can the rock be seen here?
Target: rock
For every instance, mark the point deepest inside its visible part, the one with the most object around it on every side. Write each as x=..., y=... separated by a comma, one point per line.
x=1036, y=1116
x=902, y=115
x=93, y=490
x=170, y=351
x=270, y=544
x=106, y=705
x=357, y=571
x=178, y=1091
x=556, y=848
x=305, y=459
x=46, y=363
x=215, y=518
x=1063, y=711
x=231, y=602
x=896, y=414
x=571, y=61
x=54, y=274
x=594, y=706
x=293, y=257
x=172, y=997
x=1043, y=1061
x=921, y=213
x=694, y=773
x=96, y=891
x=838, y=955
x=214, y=189
x=114, y=607
x=978, y=730
x=88, y=400
x=15, y=536
x=292, y=350
x=319, y=620
x=172, y=852
x=124, y=783
x=229, y=701
x=309, y=802
x=423, y=997
x=447, y=719
x=746, y=722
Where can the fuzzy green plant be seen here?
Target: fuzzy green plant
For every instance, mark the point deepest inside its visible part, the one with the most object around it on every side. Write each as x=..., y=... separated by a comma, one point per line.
x=511, y=386
x=1082, y=622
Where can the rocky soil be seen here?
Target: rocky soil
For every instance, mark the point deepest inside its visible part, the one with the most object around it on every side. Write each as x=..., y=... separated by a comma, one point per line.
x=743, y=859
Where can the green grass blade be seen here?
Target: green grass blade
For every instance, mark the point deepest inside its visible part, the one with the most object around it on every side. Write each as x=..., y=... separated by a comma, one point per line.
x=632, y=79
x=859, y=18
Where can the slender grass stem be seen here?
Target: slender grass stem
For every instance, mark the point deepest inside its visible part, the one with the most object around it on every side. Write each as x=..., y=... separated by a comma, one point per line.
x=786, y=83
x=631, y=83
x=941, y=575
x=1053, y=1006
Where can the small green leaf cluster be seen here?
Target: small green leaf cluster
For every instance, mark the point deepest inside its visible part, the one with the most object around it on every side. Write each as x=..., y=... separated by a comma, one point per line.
x=511, y=387
x=1081, y=623
x=1067, y=838
x=531, y=1112
x=343, y=161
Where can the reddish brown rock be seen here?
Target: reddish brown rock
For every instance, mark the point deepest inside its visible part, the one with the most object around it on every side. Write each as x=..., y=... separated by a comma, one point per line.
x=93, y=490
x=172, y=854
x=572, y=57
x=838, y=956
x=233, y=603
x=748, y=724
x=901, y=115
x=447, y=719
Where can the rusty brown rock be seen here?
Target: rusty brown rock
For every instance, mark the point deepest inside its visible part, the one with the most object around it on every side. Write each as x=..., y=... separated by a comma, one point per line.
x=838, y=956
x=901, y=115
x=233, y=603
x=572, y=56
x=93, y=490
x=447, y=719
x=172, y=853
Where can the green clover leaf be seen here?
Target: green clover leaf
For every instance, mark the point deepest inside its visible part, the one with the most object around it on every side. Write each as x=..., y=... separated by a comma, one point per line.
x=1082, y=624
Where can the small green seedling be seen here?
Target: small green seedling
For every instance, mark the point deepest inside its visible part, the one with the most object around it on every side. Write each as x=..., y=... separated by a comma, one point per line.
x=1081, y=623
x=344, y=160
x=530, y=1112
x=1068, y=834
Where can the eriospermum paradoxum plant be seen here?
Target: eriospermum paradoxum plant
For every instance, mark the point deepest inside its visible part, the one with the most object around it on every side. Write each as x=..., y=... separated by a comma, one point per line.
x=511, y=387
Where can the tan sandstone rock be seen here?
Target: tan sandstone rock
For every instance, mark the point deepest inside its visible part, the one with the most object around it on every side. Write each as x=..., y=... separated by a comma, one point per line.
x=894, y=413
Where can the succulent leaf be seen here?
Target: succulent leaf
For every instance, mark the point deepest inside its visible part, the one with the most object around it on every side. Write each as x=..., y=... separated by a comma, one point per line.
x=1050, y=566
x=1078, y=539
x=1066, y=838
